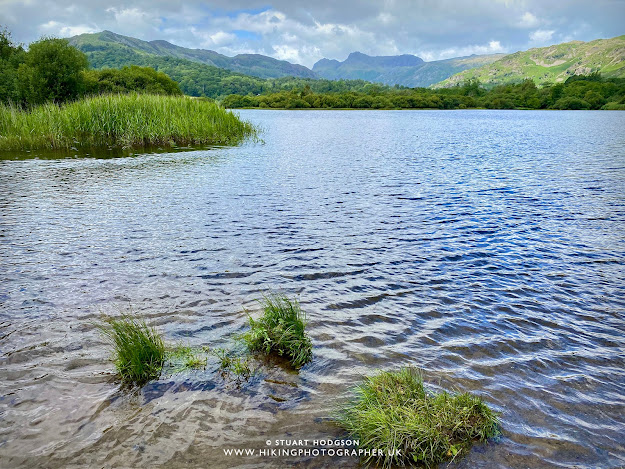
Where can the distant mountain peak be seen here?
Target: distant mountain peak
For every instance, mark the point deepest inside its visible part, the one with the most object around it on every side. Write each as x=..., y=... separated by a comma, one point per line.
x=404, y=60
x=405, y=69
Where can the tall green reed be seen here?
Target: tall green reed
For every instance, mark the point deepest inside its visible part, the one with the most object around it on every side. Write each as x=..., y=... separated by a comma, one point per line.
x=138, y=350
x=127, y=121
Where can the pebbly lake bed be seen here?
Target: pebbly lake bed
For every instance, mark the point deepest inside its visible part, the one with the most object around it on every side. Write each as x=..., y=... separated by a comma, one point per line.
x=485, y=247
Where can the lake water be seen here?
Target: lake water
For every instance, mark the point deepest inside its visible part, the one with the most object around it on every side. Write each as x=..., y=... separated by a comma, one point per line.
x=485, y=247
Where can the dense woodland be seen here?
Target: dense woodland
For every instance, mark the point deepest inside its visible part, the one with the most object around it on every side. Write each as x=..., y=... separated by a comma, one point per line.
x=578, y=92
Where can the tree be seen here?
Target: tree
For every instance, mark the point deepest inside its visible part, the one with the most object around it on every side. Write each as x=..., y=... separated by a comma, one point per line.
x=10, y=58
x=594, y=99
x=52, y=71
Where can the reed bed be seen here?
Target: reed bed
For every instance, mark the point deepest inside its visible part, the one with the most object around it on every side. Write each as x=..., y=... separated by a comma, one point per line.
x=401, y=423
x=126, y=121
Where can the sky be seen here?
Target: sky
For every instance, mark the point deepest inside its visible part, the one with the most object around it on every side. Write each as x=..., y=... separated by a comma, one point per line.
x=305, y=31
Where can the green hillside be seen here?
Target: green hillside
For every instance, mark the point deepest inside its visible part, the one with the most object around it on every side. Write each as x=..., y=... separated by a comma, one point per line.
x=405, y=70
x=199, y=72
x=107, y=49
x=553, y=64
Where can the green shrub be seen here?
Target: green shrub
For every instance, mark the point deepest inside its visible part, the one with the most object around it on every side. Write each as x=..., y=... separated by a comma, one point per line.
x=138, y=350
x=613, y=106
x=393, y=413
x=571, y=102
x=280, y=330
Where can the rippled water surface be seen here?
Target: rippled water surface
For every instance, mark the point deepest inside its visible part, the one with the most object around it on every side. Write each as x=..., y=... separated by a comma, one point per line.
x=485, y=247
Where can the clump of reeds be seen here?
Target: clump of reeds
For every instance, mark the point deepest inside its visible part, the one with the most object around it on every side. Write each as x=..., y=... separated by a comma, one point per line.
x=281, y=330
x=138, y=350
x=125, y=121
x=393, y=414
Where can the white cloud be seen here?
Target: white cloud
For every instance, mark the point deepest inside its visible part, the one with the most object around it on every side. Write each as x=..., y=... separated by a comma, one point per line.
x=493, y=47
x=56, y=29
x=541, y=36
x=528, y=20
x=221, y=38
x=69, y=31
x=135, y=19
x=284, y=52
x=212, y=39
x=386, y=18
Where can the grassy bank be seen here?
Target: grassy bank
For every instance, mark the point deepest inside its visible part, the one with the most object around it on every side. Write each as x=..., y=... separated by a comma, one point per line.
x=402, y=423
x=128, y=121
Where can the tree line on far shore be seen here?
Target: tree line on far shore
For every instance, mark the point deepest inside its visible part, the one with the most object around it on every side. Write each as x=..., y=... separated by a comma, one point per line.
x=577, y=92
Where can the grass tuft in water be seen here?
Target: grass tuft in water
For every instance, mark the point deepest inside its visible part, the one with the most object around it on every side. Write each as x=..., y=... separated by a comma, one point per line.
x=121, y=121
x=183, y=357
x=138, y=350
x=393, y=414
x=230, y=363
x=280, y=330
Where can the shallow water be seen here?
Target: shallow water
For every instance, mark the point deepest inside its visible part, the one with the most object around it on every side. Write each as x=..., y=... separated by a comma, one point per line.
x=485, y=247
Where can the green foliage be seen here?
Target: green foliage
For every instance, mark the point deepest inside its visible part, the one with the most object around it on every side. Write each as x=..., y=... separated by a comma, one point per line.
x=197, y=79
x=614, y=107
x=138, y=350
x=280, y=330
x=11, y=56
x=128, y=79
x=129, y=121
x=52, y=72
x=571, y=102
x=392, y=412
x=594, y=93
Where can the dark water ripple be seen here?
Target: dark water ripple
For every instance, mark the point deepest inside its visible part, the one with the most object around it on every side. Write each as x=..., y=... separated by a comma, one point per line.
x=485, y=247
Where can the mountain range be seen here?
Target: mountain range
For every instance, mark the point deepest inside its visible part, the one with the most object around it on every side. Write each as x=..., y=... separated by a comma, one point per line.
x=108, y=49
x=406, y=70
x=547, y=64
x=100, y=46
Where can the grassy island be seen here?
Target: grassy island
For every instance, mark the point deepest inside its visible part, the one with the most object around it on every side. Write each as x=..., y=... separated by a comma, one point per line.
x=402, y=423
x=125, y=121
